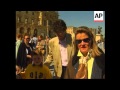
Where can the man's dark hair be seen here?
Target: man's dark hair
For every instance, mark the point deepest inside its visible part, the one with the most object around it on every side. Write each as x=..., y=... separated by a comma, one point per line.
x=59, y=25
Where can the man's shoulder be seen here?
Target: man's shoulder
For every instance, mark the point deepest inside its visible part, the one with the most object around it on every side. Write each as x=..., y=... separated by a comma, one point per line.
x=53, y=39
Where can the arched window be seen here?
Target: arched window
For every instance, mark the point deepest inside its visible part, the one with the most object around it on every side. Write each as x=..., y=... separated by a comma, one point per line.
x=26, y=20
x=19, y=19
x=28, y=31
x=38, y=22
x=35, y=32
x=32, y=21
x=21, y=30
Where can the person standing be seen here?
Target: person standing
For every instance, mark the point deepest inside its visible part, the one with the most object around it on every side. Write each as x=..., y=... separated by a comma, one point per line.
x=41, y=46
x=18, y=42
x=88, y=61
x=37, y=70
x=24, y=53
x=35, y=39
x=61, y=49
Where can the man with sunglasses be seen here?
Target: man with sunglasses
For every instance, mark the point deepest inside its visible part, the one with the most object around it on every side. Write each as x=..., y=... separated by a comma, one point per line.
x=88, y=61
x=61, y=49
x=24, y=53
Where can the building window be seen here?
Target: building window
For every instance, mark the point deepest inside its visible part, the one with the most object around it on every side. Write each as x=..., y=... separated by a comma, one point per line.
x=44, y=14
x=50, y=22
x=38, y=22
x=32, y=21
x=47, y=22
x=35, y=32
x=18, y=19
x=21, y=30
x=26, y=20
x=40, y=14
x=28, y=31
x=44, y=23
x=32, y=13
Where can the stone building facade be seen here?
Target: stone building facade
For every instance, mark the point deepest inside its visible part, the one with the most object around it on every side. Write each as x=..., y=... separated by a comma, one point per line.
x=35, y=22
x=72, y=30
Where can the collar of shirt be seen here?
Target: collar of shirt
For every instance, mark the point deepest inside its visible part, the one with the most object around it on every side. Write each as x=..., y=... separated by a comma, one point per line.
x=62, y=41
x=81, y=55
x=89, y=63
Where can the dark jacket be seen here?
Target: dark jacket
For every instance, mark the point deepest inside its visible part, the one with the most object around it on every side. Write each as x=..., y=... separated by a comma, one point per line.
x=98, y=69
x=22, y=56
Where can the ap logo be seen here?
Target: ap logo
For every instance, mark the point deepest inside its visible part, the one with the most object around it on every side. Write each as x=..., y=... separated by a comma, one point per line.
x=98, y=16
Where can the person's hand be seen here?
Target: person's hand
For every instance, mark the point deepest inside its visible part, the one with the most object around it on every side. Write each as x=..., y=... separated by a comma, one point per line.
x=18, y=70
x=28, y=56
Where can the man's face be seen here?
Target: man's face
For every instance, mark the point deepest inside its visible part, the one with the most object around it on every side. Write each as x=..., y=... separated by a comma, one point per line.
x=26, y=39
x=61, y=34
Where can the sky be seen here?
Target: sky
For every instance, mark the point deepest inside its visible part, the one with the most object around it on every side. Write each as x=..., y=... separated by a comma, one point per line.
x=81, y=18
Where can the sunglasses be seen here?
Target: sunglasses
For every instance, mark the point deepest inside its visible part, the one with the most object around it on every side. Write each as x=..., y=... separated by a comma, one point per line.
x=84, y=40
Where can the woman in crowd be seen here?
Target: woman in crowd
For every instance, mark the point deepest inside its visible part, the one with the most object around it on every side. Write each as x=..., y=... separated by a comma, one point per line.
x=88, y=61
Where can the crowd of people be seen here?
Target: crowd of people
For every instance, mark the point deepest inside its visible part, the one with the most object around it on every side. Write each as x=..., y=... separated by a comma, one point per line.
x=75, y=56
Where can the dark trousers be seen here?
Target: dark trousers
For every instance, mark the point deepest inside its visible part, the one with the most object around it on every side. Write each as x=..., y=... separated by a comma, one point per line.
x=63, y=71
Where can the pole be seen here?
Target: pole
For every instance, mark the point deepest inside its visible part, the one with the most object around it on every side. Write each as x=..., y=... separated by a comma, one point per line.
x=47, y=29
x=46, y=44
